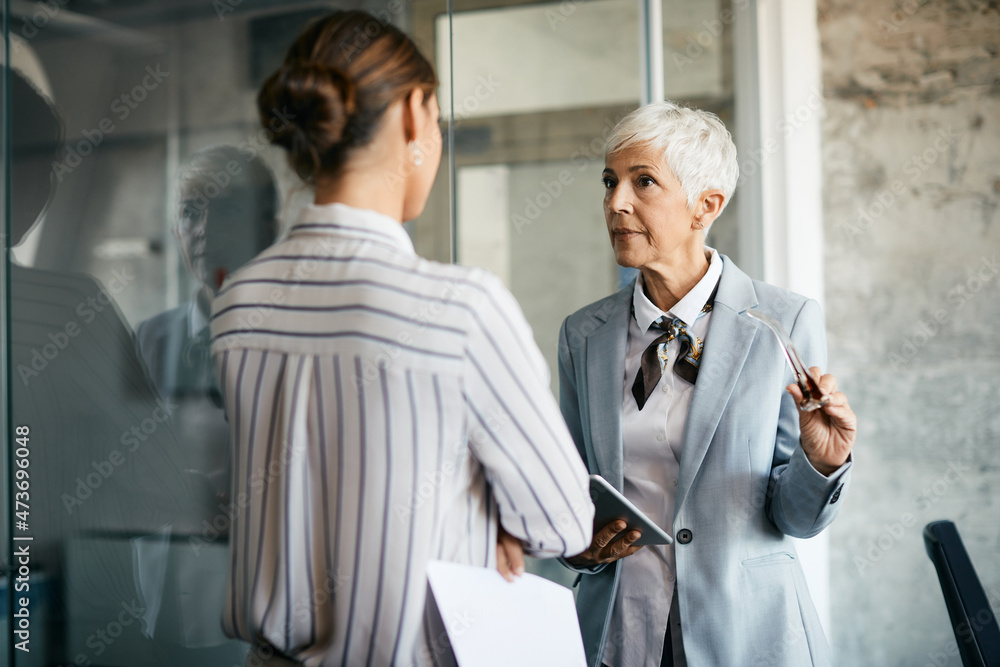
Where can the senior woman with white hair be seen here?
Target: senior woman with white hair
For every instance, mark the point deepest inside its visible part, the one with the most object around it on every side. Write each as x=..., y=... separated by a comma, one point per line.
x=684, y=403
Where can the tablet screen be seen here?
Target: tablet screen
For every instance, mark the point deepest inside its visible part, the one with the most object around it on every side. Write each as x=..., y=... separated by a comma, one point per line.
x=609, y=504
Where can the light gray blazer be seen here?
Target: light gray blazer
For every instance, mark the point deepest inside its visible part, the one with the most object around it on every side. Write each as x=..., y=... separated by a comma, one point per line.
x=745, y=484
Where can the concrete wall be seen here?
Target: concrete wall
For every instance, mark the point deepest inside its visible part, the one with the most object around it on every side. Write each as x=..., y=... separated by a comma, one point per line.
x=911, y=188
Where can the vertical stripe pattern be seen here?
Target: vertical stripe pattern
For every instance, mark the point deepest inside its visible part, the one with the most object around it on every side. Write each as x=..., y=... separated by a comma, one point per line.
x=385, y=411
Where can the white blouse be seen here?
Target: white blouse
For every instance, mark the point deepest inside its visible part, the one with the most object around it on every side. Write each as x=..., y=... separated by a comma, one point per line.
x=651, y=446
x=384, y=410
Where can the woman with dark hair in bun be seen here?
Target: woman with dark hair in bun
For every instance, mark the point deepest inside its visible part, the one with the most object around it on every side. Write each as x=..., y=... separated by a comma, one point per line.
x=386, y=410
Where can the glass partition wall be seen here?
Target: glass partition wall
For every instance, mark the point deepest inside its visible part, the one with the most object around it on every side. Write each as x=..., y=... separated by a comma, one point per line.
x=129, y=121
x=537, y=89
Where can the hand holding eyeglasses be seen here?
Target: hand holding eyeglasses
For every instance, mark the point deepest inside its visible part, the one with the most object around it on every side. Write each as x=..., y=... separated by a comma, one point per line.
x=827, y=425
x=827, y=434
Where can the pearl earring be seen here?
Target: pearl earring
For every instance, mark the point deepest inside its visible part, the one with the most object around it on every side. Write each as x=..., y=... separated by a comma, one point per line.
x=416, y=154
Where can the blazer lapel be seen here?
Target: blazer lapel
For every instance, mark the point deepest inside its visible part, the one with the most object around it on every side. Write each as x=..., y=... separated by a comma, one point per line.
x=606, y=349
x=727, y=345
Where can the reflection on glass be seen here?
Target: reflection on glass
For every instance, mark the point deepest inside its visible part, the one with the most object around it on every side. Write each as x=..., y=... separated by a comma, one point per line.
x=225, y=216
x=104, y=459
x=122, y=217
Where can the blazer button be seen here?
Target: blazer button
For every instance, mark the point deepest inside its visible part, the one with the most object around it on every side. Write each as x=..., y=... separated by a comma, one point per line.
x=684, y=536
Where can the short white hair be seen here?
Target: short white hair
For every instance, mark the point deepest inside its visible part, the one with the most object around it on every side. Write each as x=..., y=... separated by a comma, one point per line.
x=696, y=146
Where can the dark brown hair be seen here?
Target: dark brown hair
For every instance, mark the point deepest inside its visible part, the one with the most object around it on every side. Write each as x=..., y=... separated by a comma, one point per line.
x=337, y=81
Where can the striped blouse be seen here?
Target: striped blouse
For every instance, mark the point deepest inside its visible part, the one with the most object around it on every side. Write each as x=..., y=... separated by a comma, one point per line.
x=385, y=410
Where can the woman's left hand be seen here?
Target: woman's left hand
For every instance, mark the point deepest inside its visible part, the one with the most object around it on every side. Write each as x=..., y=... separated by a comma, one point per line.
x=827, y=434
x=510, y=555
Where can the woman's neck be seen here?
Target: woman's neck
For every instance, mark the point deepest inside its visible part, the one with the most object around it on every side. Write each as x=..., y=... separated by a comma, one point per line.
x=668, y=282
x=374, y=188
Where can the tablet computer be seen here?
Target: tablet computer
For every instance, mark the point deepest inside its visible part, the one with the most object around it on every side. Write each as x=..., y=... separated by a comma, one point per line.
x=609, y=504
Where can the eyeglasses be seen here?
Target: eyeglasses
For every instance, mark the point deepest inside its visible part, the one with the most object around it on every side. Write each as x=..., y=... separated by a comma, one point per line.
x=812, y=395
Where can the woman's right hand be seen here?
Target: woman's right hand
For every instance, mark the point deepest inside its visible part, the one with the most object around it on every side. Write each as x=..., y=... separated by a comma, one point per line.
x=610, y=543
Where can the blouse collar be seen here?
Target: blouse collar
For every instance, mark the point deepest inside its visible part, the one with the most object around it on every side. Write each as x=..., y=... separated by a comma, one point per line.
x=690, y=305
x=347, y=221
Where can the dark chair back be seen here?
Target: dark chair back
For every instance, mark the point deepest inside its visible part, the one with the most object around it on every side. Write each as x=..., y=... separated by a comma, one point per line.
x=972, y=619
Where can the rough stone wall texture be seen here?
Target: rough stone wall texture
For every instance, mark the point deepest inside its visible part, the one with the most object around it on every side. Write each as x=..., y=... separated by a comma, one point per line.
x=911, y=155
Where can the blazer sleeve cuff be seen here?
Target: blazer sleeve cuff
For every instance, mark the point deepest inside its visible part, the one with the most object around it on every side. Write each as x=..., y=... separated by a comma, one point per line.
x=818, y=485
x=584, y=570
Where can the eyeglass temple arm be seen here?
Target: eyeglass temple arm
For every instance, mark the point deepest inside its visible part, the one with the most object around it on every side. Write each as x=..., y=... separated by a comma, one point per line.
x=802, y=376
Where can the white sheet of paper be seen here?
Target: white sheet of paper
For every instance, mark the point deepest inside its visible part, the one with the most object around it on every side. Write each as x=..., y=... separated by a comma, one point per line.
x=490, y=621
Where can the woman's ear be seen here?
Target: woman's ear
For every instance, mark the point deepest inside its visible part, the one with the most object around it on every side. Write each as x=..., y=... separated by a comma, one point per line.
x=414, y=110
x=708, y=208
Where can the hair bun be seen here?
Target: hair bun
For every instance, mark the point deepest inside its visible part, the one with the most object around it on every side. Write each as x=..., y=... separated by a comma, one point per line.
x=318, y=101
x=335, y=93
